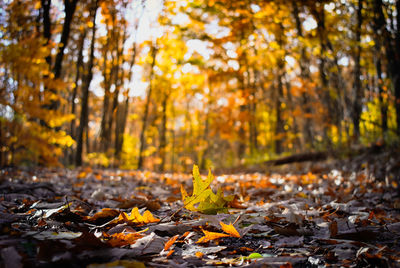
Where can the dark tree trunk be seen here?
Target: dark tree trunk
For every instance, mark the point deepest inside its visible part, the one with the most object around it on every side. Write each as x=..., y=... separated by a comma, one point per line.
x=358, y=93
x=146, y=108
x=104, y=127
x=396, y=75
x=390, y=42
x=319, y=15
x=79, y=64
x=163, y=132
x=69, y=7
x=382, y=99
x=280, y=123
x=380, y=39
x=305, y=75
x=83, y=124
x=46, y=5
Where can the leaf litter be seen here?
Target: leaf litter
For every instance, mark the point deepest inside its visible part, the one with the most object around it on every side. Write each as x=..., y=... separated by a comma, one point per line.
x=114, y=218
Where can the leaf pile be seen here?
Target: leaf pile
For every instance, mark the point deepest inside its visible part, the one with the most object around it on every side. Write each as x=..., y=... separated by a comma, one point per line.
x=92, y=217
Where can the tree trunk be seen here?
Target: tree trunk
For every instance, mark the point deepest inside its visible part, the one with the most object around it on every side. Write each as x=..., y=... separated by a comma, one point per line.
x=104, y=125
x=69, y=9
x=163, y=132
x=46, y=5
x=305, y=75
x=146, y=108
x=319, y=15
x=396, y=75
x=83, y=124
x=280, y=124
x=358, y=94
x=79, y=64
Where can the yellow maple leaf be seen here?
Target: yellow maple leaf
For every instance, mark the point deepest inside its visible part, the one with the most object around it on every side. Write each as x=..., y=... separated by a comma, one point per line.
x=229, y=229
x=135, y=217
x=203, y=199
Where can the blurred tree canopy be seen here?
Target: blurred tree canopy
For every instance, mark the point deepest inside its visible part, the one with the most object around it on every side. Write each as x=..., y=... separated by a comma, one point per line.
x=165, y=84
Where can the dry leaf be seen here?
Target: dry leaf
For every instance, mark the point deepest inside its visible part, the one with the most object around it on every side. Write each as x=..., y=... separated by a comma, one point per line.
x=170, y=242
x=123, y=239
x=135, y=217
x=229, y=229
x=208, y=236
x=104, y=213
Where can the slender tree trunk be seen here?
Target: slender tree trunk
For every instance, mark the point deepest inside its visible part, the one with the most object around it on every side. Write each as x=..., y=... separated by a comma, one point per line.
x=104, y=125
x=46, y=5
x=391, y=44
x=79, y=64
x=382, y=97
x=379, y=29
x=121, y=125
x=396, y=75
x=69, y=9
x=280, y=123
x=83, y=124
x=319, y=15
x=163, y=132
x=146, y=108
x=279, y=127
x=357, y=95
x=305, y=75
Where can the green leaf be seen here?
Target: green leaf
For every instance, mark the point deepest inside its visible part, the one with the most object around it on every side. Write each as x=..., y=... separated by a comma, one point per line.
x=252, y=256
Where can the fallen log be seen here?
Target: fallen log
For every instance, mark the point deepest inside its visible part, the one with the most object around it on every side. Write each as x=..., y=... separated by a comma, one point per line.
x=296, y=158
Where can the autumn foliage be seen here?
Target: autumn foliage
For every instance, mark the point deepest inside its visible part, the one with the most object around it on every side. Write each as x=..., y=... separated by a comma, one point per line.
x=165, y=84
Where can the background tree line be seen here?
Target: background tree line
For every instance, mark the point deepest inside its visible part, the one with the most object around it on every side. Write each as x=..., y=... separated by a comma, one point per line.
x=210, y=82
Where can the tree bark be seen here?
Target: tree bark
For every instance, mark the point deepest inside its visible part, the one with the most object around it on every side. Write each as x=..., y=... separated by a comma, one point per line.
x=78, y=77
x=69, y=10
x=46, y=5
x=305, y=75
x=83, y=124
x=146, y=108
x=163, y=132
x=358, y=94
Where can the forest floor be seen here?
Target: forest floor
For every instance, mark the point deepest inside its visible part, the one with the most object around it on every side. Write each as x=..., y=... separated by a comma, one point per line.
x=332, y=213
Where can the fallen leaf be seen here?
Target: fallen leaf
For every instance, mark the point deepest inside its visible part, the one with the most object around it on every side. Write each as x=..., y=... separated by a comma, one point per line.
x=105, y=213
x=208, y=236
x=199, y=254
x=170, y=242
x=207, y=202
x=135, y=217
x=119, y=263
x=229, y=229
x=123, y=239
x=333, y=229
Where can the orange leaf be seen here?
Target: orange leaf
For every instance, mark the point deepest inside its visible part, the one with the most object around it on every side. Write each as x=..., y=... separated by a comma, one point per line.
x=170, y=253
x=104, y=213
x=170, y=242
x=228, y=228
x=123, y=239
x=199, y=254
x=208, y=236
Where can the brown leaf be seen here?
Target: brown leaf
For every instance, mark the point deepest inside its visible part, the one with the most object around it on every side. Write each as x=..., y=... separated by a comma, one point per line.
x=333, y=229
